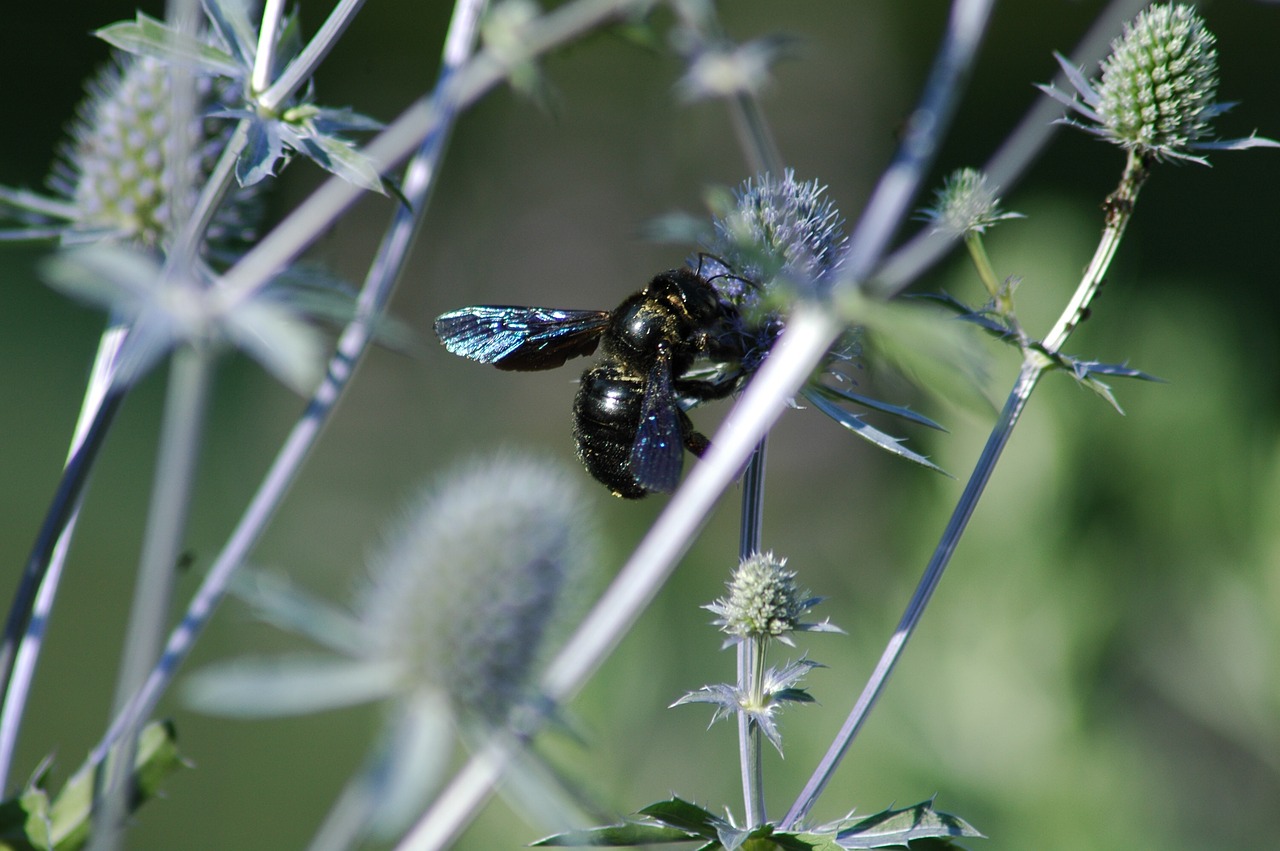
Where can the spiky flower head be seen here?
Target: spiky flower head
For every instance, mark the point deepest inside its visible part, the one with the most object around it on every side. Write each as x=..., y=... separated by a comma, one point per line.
x=764, y=601
x=966, y=204
x=467, y=589
x=1156, y=95
x=1158, y=85
x=782, y=230
x=115, y=177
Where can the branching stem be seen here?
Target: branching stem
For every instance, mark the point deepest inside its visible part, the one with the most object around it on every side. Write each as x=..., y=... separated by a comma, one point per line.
x=1118, y=210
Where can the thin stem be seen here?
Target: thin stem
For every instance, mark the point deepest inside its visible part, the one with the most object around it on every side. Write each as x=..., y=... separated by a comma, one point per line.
x=748, y=734
x=268, y=32
x=981, y=262
x=212, y=192
x=305, y=63
x=754, y=135
x=752, y=757
x=185, y=402
x=925, y=129
x=29, y=616
x=1119, y=210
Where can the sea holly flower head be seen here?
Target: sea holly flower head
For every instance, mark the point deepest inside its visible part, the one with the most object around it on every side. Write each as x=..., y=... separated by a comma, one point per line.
x=115, y=177
x=467, y=590
x=778, y=230
x=765, y=602
x=447, y=631
x=1157, y=91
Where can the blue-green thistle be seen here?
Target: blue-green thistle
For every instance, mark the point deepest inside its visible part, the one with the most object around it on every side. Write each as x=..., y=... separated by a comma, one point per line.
x=779, y=231
x=764, y=604
x=448, y=629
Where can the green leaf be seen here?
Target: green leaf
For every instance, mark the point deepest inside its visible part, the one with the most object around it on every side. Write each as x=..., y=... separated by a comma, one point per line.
x=288, y=607
x=987, y=320
x=279, y=340
x=335, y=155
x=1086, y=373
x=148, y=36
x=231, y=20
x=681, y=814
x=898, y=827
x=925, y=345
x=619, y=835
x=70, y=816
x=818, y=841
x=24, y=821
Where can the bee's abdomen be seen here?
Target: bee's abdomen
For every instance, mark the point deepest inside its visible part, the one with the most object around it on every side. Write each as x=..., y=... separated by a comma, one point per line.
x=606, y=417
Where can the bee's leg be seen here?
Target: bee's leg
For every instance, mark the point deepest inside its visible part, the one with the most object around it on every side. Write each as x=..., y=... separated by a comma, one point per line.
x=694, y=441
x=705, y=391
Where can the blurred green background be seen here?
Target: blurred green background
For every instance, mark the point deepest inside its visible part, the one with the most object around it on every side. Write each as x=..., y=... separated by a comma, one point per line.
x=1099, y=669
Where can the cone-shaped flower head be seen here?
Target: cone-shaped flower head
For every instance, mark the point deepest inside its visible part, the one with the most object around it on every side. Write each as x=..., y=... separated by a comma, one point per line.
x=1157, y=93
x=115, y=177
x=780, y=228
x=1158, y=85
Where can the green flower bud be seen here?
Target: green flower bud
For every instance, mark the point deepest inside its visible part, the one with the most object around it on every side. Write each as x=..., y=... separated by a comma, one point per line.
x=965, y=204
x=115, y=171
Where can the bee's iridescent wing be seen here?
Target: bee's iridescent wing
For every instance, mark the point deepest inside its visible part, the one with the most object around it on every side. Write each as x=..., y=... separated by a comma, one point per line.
x=521, y=338
x=657, y=455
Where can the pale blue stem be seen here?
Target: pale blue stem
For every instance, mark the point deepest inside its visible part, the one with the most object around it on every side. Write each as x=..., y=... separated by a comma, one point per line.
x=305, y=63
x=187, y=396
x=749, y=751
x=933, y=573
x=33, y=603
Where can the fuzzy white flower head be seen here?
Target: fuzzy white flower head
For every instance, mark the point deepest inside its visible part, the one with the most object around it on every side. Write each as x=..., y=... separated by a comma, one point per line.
x=467, y=588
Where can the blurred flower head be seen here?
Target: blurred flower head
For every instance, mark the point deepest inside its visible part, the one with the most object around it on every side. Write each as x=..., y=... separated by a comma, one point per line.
x=468, y=585
x=448, y=629
x=966, y=204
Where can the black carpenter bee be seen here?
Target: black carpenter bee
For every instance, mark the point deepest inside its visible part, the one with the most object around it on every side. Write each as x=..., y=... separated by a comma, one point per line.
x=629, y=417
